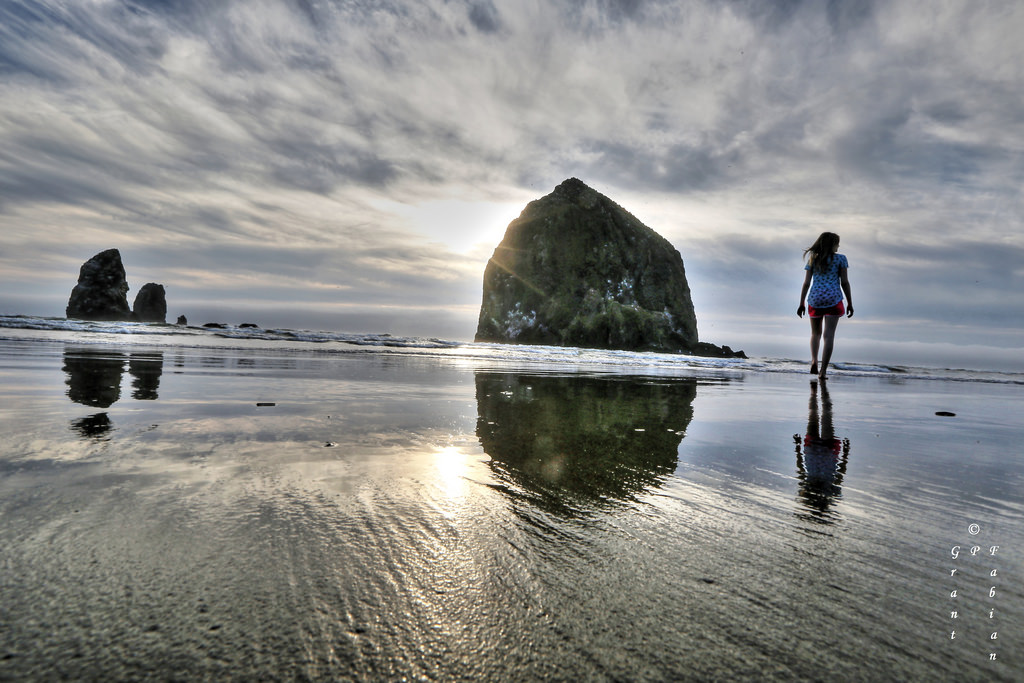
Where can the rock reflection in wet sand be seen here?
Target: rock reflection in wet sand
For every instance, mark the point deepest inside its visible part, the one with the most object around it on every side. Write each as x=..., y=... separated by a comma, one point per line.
x=94, y=379
x=583, y=441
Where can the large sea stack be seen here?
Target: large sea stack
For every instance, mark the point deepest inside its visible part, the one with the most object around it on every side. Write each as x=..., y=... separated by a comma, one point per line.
x=102, y=289
x=576, y=269
x=150, y=304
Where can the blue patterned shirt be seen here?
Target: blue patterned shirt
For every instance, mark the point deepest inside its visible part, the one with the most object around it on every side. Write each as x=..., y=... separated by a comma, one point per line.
x=826, y=288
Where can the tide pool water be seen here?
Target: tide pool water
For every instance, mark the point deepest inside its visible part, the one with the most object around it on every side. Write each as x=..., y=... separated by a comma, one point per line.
x=220, y=509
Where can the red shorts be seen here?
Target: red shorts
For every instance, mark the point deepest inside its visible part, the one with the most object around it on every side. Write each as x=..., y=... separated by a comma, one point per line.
x=819, y=312
x=834, y=445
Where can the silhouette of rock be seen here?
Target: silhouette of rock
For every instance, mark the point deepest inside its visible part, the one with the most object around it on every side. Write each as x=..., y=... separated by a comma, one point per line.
x=146, y=369
x=150, y=304
x=94, y=377
x=182, y=320
x=94, y=426
x=581, y=443
x=576, y=269
x=101, y=292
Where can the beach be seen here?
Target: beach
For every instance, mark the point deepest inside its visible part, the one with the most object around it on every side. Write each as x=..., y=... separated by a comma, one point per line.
x=228, y=509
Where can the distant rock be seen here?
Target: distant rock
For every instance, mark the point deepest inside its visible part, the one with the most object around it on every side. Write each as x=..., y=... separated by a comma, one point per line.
x=215, y=326
x=102, y=289
x=249, y=326
x=182, y=320
x=576, y=269
x=150, y=304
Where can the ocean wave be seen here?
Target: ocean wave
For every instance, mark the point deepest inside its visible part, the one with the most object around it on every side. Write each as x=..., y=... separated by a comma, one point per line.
x=554, y=358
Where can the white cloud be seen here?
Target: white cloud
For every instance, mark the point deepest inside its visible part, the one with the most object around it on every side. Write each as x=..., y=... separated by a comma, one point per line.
x=377, y=150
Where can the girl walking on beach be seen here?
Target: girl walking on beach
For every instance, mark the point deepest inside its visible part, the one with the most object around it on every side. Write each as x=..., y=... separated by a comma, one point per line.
x=825, y=283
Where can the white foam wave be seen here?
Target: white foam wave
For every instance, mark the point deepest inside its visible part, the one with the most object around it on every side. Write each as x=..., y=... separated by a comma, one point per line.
x=553, y=357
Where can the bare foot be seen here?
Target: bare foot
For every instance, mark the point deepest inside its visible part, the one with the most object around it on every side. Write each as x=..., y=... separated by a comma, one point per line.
x=814, y=368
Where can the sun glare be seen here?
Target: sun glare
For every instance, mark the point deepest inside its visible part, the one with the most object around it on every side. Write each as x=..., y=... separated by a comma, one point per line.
x=459, y=225
x=452, y=467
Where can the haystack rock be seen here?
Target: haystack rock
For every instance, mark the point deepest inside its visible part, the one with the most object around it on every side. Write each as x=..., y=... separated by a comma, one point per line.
x=101, y=292
x=576, y=269
x=150, y=304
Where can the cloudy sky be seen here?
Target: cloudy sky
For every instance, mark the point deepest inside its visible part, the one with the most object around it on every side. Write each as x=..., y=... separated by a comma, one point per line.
x=351, y=164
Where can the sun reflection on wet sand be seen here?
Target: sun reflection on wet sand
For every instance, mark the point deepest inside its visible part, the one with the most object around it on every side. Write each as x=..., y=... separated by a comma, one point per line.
x=451, y=470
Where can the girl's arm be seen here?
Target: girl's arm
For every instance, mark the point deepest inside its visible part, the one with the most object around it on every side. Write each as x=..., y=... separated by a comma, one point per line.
x=845, y=283
x=803, y=292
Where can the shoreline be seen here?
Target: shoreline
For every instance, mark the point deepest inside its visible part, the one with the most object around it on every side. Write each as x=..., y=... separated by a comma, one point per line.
x=503, y=354
x=1005, y=365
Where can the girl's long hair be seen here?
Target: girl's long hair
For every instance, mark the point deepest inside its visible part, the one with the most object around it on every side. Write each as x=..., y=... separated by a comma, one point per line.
x=821, y=251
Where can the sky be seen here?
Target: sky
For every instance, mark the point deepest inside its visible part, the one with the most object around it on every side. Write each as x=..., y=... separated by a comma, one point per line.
x=350, y=165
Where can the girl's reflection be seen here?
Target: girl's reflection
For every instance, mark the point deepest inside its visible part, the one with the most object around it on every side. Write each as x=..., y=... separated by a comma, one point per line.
x=820, y=457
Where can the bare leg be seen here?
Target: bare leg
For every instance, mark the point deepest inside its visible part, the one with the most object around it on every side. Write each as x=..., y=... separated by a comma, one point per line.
x=813, y=429
x=828, y=431
x=829, y=334
x=815, y=342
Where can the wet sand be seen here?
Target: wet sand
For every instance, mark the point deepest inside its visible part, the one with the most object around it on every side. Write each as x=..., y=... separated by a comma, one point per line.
x=385, y=516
